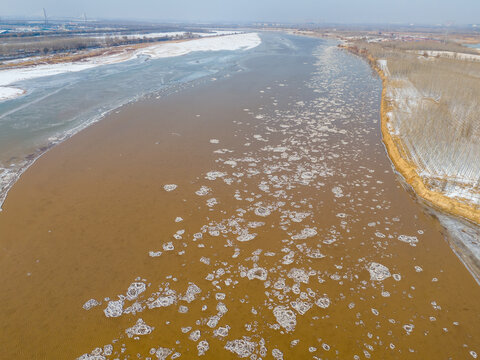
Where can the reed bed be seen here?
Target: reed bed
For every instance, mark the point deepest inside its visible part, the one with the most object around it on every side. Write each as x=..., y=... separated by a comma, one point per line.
x=436, y=114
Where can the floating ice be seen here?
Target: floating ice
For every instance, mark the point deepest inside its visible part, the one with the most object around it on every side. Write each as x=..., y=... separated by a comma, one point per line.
x=277, y=354
x=337, y=191
x=140, y=328
x=168, y=246
x=213, y=321
x=305, y=233
x=205, y=260
x=134, y=308
x=134, y=290
x=94, y=355
x=212, y=202
x=285, y=317
x=232, y=163
x=214, y=141
x=161, y=353
x=298, y=275
x=378, y=271
x=301, y=306
x=212, y=175
x=262, y=211
x=169, y=187
x=412, y=240
x=257, y=273
x=202, y=347
x=162, y=301
x=192, y=291
x=90, y=304
x=314, y=254
x=204, y=190
x=246, y=236
x=408, y=328
x=242, y=347
x=221, y=331
x=114, y=308
x=154, y=253
x=195, y=335
x=323, y=302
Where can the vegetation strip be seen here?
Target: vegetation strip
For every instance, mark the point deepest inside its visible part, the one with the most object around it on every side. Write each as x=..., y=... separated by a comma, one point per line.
x=404, y=167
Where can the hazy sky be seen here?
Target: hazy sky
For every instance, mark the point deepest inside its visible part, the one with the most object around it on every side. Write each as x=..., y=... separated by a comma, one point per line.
x=341, y=11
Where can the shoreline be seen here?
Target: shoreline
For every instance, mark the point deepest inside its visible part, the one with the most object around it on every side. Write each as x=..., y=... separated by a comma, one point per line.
x=109, y=56
x=408, y=170
x=437, y=201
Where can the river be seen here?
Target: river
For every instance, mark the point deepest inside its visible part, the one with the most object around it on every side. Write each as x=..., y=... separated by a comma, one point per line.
x=255, y=215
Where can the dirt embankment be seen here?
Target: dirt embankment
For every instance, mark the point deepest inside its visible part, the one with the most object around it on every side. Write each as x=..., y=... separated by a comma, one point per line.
x=406, y=168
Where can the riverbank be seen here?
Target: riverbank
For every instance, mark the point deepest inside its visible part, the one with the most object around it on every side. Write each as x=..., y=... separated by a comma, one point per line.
x=464, y=244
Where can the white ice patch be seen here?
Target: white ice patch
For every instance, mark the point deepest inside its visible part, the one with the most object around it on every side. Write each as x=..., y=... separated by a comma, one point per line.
x=305, y=233
x=221, y=331
x=191, y=293
x=212, y=175
x=285, y=317
x=90, y=304
x=337, y=191
x=378, y=271
x=257, y=273
x=114, y=308
x=245, y=236
x=301, y=306
x=162, y=301
x=134, y=290
x=242, y=347
x=169, y=187
x=202, y=347
x=262, y=211
x=161, y=353
x=195, y=335
x=298, y=275
x=140, y=328
x=212, y=202
x=323, y=302
x=204, y=190
x=412, y=240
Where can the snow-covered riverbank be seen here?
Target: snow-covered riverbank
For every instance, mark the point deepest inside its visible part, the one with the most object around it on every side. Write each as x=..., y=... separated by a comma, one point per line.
x=10, y=77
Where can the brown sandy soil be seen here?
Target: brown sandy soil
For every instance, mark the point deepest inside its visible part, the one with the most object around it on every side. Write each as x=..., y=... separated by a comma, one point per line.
x=81, y=221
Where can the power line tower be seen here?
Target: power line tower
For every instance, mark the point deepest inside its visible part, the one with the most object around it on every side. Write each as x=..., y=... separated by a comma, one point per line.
x=45, y=15
x=85, y=18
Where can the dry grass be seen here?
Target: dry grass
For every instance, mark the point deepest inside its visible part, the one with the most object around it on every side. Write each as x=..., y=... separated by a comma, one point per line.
x=428, y=45
x=438, y=112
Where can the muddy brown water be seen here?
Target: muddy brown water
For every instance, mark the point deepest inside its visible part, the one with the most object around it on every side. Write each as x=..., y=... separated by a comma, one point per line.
x=300, y=205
